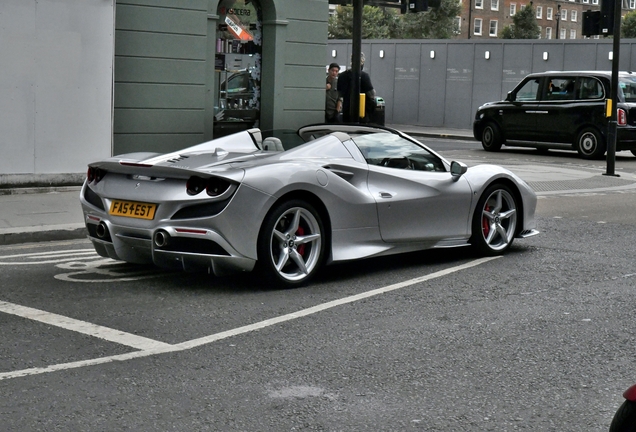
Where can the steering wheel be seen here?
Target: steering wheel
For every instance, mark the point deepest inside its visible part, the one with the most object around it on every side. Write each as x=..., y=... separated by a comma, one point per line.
x=402, y=162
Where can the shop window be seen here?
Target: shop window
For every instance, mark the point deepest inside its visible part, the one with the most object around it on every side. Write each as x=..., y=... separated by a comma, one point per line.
x=237, y=67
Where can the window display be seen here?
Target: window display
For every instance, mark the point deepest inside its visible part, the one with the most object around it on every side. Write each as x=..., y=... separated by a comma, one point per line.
x=237, y=67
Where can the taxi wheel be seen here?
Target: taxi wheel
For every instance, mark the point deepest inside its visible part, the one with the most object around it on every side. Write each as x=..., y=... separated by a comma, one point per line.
x=491, y=137
x=590, y=144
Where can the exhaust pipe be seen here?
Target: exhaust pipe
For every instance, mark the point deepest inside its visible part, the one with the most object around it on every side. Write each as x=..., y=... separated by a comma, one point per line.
x=102, y=230
x=162, y=238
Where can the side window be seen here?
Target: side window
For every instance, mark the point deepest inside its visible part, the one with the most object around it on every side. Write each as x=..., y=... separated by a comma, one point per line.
x=560, y=88
x=529, y=91
x=590, y=88
x=393, y=151
x=627, y=86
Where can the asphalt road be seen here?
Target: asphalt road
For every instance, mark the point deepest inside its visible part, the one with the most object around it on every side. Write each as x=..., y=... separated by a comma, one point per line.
x=540, y=339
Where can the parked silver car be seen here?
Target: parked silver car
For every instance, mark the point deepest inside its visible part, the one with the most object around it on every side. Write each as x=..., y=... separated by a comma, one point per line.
x=247, y=201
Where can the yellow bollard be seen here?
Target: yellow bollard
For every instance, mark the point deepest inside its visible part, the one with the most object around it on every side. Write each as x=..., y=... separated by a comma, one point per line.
x=608, y=107
x=363, y=103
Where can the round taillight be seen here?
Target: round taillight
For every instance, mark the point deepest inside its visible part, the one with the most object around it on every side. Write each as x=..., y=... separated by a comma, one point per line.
x=195, y=185
x=99, y=174
x=216, y=186
x=630, y=394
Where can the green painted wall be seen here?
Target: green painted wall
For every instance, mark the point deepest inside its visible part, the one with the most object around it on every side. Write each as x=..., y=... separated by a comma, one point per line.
x=164, y=70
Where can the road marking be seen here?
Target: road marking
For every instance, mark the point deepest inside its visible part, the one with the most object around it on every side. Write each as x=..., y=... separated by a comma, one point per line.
x=49, y=257
x=161, y=348
x=104, y=270
x=83, y=327
x=88, y=266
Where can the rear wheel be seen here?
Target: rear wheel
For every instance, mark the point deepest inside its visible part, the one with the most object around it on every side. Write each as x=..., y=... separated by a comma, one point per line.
x=291, y=243
x=495, y=221
x=491, y=137
x=590, y=144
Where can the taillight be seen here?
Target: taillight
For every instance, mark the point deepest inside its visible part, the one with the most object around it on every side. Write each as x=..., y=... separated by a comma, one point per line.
x=195, y=185
x=621, y=117
x=95, y=174
x=630, y=393
x=216, y=186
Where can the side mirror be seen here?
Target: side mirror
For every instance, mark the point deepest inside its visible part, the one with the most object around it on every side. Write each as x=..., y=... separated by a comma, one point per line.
x=457, y=169
x=510, y=97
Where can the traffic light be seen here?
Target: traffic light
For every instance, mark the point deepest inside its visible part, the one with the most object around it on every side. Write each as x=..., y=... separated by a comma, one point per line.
x=418, y=5
x=607, y=17
x=591, y=23
x=600, y=22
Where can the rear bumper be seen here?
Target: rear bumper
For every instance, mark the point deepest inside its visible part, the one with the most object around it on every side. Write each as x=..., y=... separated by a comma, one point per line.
x=176, y=248
x=625, y=138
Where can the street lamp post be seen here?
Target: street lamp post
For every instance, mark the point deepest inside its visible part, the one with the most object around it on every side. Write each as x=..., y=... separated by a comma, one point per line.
x=558, y=18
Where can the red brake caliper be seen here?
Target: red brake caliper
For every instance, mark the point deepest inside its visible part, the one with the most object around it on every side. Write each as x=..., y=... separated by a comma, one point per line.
x=485, y=225
x=301, y=248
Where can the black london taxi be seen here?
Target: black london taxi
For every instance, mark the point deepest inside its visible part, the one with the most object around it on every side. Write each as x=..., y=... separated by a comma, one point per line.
x=560, y=110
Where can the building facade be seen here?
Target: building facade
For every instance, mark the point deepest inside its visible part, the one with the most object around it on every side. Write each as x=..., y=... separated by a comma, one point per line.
x=84, y=80
x=557, y=19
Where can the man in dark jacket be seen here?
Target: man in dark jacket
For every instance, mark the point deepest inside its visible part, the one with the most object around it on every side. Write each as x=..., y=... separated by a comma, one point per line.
x=345, y=82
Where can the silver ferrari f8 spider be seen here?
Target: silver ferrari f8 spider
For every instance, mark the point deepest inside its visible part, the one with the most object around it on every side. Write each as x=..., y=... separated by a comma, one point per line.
x=250, y=201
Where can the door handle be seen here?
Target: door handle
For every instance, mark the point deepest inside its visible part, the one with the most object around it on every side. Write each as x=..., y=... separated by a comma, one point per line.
x=385, y=195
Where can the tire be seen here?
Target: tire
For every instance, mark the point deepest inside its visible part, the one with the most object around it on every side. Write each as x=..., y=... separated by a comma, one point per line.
x=625, y=418
x=590, y=144
x=633, y=152
x=291, y=244
x=491, y=137
x=495, y=221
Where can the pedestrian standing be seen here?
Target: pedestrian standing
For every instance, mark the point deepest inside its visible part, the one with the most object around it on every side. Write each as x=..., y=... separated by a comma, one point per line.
x=345, y=83
x=333, y=104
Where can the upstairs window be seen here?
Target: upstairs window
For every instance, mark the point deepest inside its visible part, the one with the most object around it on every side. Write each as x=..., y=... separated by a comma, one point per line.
x=493, y=28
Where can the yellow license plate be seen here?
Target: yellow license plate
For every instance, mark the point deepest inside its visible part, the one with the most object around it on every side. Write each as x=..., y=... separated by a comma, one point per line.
x=133, y=209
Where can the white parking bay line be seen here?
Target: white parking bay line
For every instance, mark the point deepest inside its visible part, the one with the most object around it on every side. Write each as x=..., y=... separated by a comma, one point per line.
x=78, y=326
x=160, y=348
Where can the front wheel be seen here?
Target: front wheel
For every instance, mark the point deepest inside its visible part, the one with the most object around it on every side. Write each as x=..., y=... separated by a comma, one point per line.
x=495, y=221
x=291, y=243
x=491, y=137
x=590, y=144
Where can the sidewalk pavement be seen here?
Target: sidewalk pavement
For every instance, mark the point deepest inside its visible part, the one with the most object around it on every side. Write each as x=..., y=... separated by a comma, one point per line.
x=54, y=213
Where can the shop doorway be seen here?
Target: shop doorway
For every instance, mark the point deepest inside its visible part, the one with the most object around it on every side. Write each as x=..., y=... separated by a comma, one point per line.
x=237, y=66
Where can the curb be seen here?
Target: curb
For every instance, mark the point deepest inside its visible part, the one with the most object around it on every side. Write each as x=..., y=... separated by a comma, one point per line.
x=13, y=236
x=438, y=135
